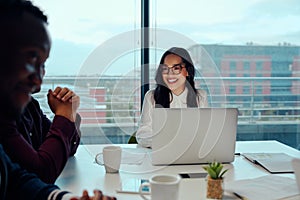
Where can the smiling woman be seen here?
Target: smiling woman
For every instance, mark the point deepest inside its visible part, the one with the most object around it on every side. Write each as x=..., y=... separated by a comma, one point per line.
x=173, y=90
x=175, y=80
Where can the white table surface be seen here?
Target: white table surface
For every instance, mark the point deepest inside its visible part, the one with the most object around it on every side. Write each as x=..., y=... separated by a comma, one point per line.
x=81, y=172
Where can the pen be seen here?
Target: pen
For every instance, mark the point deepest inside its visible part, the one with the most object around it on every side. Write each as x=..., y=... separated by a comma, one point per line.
x=131, y=192
x=239, y=196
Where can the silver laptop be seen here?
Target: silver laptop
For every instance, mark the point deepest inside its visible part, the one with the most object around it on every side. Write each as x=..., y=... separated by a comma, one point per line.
x=193, y=135
x=296, y=167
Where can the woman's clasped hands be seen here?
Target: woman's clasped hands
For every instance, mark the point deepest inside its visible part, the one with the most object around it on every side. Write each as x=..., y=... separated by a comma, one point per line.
x=98, y=195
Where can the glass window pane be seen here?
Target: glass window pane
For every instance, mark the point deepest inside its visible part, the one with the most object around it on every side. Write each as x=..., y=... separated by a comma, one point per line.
x=96, y=53
x=259, y=69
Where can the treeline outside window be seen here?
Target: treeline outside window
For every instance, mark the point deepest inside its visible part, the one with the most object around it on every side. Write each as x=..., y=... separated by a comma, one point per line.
x=247, y=55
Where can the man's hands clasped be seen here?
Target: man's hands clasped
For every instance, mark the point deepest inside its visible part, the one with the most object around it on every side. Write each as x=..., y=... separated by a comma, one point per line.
x=64, y=102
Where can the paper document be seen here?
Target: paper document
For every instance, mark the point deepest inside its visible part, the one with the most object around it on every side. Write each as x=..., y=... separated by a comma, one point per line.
x=273, y=162
x=267, y=187
x=132, y=186
x=129, y=156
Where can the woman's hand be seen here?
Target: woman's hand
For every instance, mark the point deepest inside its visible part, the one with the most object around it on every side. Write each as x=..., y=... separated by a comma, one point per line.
x=98, y=195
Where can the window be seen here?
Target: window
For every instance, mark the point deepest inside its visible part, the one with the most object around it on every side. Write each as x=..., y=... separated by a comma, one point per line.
x=232, y=66
x=246, y=89
x=258, y=89
x=96, y=50
x=232, y=89
x=230, y=46
x=246, y=66
x=259, y=66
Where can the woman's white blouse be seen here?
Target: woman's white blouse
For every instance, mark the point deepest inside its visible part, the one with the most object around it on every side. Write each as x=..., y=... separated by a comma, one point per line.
x=144, y=132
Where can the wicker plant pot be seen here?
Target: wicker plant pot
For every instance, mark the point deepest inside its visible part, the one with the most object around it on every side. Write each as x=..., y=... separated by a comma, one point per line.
x=214, y=188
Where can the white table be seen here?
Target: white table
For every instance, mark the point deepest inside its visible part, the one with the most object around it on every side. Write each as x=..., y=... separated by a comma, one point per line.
x=81, y=172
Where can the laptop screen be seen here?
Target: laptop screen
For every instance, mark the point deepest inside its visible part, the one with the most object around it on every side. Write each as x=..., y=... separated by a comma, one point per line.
x=193, y=135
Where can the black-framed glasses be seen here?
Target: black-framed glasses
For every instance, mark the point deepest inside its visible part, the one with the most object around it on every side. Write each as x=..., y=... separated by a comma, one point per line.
x=176, y=69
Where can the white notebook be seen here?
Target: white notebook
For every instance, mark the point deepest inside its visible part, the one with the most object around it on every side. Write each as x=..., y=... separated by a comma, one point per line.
x=296, y=167
x=272, y=162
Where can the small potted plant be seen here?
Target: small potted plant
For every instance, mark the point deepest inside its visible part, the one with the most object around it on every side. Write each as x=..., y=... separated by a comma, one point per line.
x=214, y=180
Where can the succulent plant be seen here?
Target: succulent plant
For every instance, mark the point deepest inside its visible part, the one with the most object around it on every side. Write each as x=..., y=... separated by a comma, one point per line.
x=214, y=170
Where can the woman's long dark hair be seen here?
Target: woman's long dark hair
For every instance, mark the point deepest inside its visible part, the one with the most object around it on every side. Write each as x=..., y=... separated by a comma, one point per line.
x=162, y=92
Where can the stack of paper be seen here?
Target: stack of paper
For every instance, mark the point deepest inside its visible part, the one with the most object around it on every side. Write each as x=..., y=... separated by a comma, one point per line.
x=267, y=187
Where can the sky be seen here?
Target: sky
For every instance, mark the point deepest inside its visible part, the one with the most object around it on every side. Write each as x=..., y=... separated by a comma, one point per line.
x=81, y=28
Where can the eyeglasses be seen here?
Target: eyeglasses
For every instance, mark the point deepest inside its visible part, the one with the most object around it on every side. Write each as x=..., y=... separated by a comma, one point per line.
x=176, y=69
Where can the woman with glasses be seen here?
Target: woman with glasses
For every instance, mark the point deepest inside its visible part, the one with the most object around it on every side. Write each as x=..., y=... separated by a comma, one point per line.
x=175, y=88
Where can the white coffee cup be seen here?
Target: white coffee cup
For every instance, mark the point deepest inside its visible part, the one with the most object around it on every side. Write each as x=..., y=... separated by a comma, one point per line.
x=162, y=187
x=111, y=158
